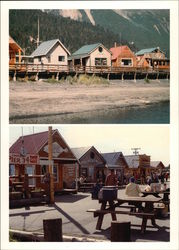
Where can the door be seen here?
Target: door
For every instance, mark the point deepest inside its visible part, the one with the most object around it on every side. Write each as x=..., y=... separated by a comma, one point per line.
x=30, y=170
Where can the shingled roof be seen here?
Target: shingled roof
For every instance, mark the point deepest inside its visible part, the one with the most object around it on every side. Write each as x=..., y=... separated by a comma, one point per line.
x=156, y=163
x=79, y=152
x=46, y=46
x=112, y=158
x=117, y=51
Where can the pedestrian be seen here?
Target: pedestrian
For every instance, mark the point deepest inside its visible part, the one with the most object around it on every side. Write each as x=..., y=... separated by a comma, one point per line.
x=111, y=179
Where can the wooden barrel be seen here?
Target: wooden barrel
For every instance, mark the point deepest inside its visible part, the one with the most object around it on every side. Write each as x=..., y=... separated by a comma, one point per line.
x=120, y=231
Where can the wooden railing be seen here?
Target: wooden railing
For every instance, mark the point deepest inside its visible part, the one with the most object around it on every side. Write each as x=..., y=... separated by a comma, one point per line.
x=35, y=68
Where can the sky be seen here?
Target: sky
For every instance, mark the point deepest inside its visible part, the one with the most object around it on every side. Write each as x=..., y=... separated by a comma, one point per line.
x=152, y=140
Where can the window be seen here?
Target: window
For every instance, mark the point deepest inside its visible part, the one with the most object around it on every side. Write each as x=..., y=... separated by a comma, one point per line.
x=92, y=155
x=30, y=170
x=11, y=170
x=55, y=173
x=126, y=62
x=44, y=170
x=39, y=59
x=100, y=49
x=100, y=61
x=61, y=58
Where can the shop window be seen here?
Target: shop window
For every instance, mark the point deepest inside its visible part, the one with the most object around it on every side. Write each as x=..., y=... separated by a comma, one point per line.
x=12, y=170
x=55, y=173
x=100, y=61
x=84, y=172
x=30, y=170
x=61, y=58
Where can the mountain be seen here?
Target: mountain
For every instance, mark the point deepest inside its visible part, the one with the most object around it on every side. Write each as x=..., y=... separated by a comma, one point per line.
x=72, y=33
x=142, y=28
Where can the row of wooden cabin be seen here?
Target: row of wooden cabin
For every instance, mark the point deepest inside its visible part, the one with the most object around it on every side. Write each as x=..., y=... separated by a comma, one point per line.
x=53, y=52
x=29, y=154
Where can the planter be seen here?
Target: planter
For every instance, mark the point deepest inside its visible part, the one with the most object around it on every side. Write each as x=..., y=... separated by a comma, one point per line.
x=15, y=195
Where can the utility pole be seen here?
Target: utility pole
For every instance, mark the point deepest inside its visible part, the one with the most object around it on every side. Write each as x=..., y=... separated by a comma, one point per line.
x=136, y=150
x=50, y=164
x=38, y=39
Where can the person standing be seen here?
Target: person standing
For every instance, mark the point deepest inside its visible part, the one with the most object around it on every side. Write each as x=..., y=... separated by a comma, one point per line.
x=111, y=179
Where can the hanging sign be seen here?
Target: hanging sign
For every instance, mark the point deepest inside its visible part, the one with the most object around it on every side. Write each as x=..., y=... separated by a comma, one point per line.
x=24, y=160
x=56, y=149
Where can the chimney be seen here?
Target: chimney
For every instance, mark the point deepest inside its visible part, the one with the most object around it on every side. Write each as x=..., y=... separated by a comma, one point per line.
x=115, y=44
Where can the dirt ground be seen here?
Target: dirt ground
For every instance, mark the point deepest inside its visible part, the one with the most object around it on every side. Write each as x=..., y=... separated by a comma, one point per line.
x=40, y=100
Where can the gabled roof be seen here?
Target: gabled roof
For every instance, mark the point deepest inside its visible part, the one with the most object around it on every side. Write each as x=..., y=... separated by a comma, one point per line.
x=79, y=152
x=112, y=158
x=86, y=50
x=116, y=51
x=46, y=46
x=33, y=143
x=14, y=45
x=155, y=163
x=145, y=51
x=132, y=161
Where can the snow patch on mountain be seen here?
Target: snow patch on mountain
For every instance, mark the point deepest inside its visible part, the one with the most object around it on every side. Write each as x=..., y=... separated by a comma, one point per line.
x=88, y=13
x=73, y=14
x=155, y=27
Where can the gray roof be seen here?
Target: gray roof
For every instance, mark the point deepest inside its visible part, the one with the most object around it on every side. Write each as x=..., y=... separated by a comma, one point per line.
x=155, y=163
x=148, y=50
x=79, y=152
x=46, y=46
x=112, y=158
x=132, y=161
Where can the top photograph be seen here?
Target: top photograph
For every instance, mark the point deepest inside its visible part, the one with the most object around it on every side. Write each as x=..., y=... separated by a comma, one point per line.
x=89, y=66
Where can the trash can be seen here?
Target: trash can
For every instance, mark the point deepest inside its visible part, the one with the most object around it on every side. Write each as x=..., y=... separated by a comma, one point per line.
x=108, y=193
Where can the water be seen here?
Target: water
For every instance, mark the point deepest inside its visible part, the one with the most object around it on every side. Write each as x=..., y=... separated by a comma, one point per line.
x=158, y=113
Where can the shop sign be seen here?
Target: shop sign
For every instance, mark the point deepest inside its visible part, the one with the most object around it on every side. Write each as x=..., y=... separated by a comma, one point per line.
x=24, y=160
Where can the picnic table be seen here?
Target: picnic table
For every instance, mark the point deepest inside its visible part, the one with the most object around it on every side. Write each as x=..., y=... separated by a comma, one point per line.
x=147, y=213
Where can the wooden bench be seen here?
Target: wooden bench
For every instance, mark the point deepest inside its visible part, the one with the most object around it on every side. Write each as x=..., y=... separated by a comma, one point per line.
x=97, y=212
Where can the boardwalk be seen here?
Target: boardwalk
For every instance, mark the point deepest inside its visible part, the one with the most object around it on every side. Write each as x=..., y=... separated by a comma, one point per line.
x=55, y=70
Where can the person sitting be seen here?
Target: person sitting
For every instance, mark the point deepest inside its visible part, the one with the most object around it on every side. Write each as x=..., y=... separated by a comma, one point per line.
x=111, y=179
x=132, y=189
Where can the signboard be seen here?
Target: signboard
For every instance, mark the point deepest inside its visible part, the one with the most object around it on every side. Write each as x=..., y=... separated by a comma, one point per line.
x=56, y=149
x=23, y=160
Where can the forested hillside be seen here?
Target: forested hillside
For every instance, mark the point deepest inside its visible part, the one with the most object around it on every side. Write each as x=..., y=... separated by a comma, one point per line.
x=73, y=34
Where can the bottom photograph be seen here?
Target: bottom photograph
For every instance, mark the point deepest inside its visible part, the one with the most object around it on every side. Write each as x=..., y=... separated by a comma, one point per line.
x=89, y=183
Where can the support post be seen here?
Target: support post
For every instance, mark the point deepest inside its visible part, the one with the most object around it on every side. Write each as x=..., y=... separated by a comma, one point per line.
x=37, y=77
x=14, y=77
x=57, y=76
x=120, y=231
x=122, y=77
x=135, y=77
x=50, y=165
x=53, y=230
x=108, y=76
x=26, y=186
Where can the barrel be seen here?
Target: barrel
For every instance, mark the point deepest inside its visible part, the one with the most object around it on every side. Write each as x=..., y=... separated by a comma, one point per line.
x=108, y=193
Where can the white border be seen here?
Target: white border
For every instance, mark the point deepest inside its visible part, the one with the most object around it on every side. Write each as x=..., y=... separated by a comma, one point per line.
x=173, y=6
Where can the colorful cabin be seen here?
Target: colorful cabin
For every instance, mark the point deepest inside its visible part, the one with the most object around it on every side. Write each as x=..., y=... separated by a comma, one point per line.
x=15, y=51
x=29, y=155
x=93, y=55
x=116, y=161
x=122, y=56
x=152, y=58
x=137, y=165
x=51, y=52
x=92, y=163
